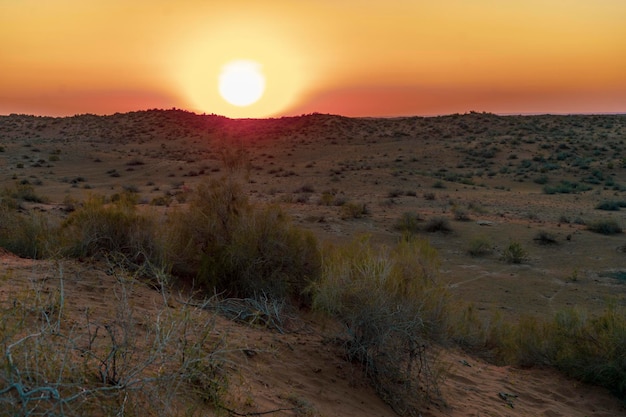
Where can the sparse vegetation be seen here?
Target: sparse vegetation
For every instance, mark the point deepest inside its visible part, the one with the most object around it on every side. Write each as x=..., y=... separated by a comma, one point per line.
x=514, y=253
x=591, y=349
x=353, y=210
x=438, y=224
x=53, y=367
x=480, y=246
x=545, y=238
x=212, y=237
x=605, y=227
x=566, y=187
x=611, y=205
x=393, y=308
x=409, y=222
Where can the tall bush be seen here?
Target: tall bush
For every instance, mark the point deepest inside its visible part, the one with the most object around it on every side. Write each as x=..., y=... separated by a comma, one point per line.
x=100, y=228
x=392, y=307
x=227, y=244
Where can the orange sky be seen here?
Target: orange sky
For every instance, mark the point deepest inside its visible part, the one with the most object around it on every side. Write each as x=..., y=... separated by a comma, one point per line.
x=356, y=58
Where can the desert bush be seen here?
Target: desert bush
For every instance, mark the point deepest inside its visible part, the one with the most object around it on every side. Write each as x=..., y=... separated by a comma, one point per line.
x=514, y=253
x=611, y=205
x=591, y=349
x=461, y=214
x=545, y=238
x=566, y=187
x=392, y=308
x=113, y=229
x=326, y=199
x=605, y=227
x=438, y=224
x=409, y=222
x=29, y=235
x=227, y=244
x=24, y=192
x=352, y=210
x=479, y=246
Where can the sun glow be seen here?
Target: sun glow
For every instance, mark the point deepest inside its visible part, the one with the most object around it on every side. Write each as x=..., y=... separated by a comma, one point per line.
x=241, y=83
x=241, y=68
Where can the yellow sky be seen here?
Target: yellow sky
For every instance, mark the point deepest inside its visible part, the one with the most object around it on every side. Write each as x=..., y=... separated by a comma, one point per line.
x=358, y=58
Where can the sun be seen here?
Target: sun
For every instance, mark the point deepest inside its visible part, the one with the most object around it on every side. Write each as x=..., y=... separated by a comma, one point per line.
x=241, y=83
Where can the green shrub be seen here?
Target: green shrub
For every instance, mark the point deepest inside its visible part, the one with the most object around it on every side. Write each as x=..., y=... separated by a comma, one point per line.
x=392, y=307
x=514, y=253
x=591, y=349
x=480, y=246
x=566, y=187
x=605, y=227
x=228, y=245
x=29, y=235
x=611, y=205
x=117, y=229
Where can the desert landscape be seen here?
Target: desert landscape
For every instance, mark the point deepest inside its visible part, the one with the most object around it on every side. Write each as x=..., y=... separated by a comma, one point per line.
x=513, y=224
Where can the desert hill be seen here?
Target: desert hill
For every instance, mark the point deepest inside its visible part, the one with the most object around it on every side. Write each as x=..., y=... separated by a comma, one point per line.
x=472, y=185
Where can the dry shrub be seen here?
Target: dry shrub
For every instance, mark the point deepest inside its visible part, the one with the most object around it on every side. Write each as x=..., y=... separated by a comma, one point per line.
x=118, y=365
x=409, y=222
x=393, y=308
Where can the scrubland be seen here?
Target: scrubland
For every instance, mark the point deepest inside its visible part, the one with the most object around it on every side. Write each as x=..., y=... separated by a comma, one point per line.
x=167, y=263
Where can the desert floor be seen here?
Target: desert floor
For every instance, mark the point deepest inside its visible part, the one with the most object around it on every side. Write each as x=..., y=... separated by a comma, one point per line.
x=483, y=173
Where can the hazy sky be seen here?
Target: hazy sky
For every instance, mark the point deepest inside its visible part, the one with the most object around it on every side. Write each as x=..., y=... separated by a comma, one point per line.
x=357, y=58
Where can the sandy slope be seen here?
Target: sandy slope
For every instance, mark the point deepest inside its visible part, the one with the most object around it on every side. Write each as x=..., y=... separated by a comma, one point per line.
x=304, y=369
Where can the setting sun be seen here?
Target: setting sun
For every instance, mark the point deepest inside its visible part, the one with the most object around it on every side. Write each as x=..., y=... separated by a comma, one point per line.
x=241, y=83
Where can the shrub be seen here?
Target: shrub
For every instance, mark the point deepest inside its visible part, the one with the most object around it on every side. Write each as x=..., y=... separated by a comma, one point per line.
x=409, y=222
x=97, y=229
x=605, y=227
x=392, y=307
x=566, y=187
x=438, y=224
x=230, y=246
x=480, y=246
x=430, y=196
x=514, y=253
x=591, y=349
x=461, y=214
x=25, y=192
x=29, y=235
x=545, y=238
x=611, y=205
x=352, y=210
